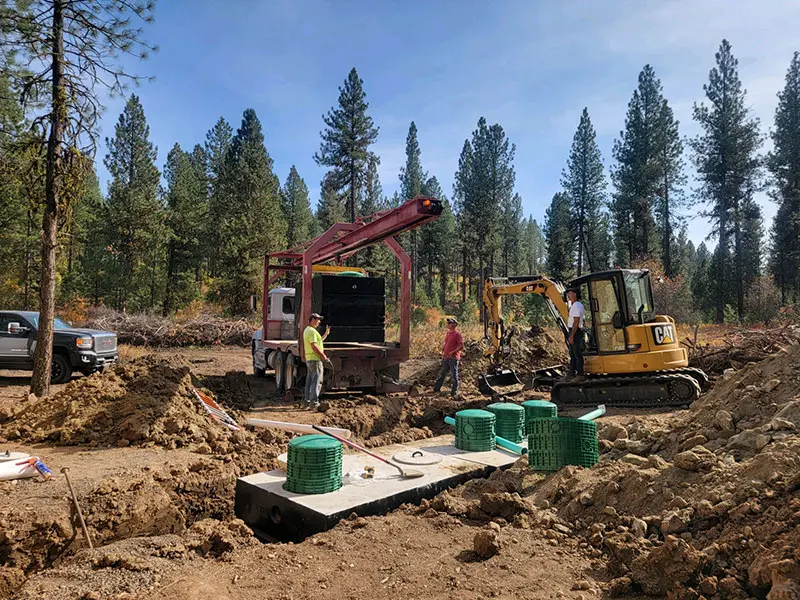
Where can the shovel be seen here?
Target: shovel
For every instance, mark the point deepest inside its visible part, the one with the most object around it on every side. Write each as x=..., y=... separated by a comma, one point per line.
x=404, y=473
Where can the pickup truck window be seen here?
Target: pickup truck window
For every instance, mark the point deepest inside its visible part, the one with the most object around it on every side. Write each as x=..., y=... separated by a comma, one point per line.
x=58, y=323
x=5, y=320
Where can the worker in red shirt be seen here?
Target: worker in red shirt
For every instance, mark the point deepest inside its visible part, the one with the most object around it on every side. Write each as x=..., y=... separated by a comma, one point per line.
x=451, y=354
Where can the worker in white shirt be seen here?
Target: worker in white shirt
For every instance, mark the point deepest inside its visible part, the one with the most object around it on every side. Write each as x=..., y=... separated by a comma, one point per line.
x=575, y=336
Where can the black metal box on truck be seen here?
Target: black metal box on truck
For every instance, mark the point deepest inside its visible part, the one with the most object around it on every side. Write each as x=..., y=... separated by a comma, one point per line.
x=353, y=307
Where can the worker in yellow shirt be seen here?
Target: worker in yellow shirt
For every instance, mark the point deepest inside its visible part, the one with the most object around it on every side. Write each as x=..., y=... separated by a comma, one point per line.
x=315, y=355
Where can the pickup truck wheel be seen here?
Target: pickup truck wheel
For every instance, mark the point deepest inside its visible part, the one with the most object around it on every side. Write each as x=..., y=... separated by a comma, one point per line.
x=280, y=359
x=61, y=370
x=288, y=374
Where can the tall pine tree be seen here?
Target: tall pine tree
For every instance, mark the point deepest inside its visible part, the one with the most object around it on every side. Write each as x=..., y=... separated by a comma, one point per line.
x=412, y=178
x=217, y=144
x=134, y=212
x=296, y=209
x=187, y=213
x=636, y=175
x=534, y=248
x=346, y=140
x=558, y=232
x=252, y=223
x=784, y=167
x=584, y=184
x=728, y=165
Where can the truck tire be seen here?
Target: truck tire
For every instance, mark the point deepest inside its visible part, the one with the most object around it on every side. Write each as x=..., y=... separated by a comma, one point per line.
x=256, y=370
x=61, y=370
x=279, y=370
x=289, y=378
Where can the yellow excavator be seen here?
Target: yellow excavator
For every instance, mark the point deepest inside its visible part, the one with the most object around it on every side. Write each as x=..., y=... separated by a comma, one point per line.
x=632, y=356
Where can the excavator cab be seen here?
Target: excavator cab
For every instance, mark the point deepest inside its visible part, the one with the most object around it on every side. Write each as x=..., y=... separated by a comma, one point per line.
x=614, y=300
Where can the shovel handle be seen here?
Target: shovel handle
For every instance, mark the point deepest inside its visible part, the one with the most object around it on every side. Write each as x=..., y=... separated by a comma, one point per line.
x=353, y=445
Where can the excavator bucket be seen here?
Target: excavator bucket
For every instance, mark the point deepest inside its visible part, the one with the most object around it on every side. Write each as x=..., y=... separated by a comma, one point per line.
x=500, y=382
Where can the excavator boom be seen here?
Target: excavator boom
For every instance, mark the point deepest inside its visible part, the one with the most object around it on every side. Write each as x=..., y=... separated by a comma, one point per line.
x=499, y=381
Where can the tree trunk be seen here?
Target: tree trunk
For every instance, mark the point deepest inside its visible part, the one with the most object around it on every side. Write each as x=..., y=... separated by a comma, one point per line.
x=43, y=357
x=722, y=253
x=443, y=283
x=167, y=307
x=739, y=265
x=27, y=270
x=463, y=275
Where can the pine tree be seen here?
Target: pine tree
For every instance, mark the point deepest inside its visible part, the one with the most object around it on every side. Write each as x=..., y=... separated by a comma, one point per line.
x=67, y=49
x=329, y=208
x=702, y=286
x=79, y=275
x=436, y=242
x=670, y=197
x=377, y=259
x=346, y=140
x=728, y=166
x=252, y=224
x=412, y=178
x=466, y=232
x=558, y=232
x=512, y=234
x=187, y=212
x=296, y=209
x=648, y=177
x=584, y=184
x=784, y=167
x=492, y=184
x=217, y=145
x=134, y=212
x=534, y=248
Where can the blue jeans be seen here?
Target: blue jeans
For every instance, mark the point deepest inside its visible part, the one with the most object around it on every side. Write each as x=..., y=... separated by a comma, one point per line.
x=576, y=354
x=313, y=381
x=449, y=365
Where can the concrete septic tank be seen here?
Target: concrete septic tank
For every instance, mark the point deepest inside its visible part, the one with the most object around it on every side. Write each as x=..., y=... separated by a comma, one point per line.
x=276, y=514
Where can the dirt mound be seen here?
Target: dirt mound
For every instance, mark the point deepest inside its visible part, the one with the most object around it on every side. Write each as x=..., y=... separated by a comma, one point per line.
x=146, y=402
x=133, y=567
x=703, y=502
x=530, y=350
x=742, y=347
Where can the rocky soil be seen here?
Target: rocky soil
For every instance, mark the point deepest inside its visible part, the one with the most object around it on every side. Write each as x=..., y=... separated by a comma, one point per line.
x=699, y=503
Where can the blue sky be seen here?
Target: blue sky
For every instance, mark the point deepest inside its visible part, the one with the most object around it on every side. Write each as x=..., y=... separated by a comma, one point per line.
x=529, y=66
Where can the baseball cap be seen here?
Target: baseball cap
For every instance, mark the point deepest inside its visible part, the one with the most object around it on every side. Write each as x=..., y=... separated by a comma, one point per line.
x=452, y=320
x=315, y=316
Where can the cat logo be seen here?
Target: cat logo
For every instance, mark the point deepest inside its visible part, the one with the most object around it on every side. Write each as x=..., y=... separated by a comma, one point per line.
x=663, y=334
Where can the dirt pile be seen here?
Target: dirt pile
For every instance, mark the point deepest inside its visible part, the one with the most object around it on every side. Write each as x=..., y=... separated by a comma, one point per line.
x=147, y=402
x=742, y=347
x=704, y=503
x=131, y=568
x=396, y=419
x=530, y=350
x=699, y=504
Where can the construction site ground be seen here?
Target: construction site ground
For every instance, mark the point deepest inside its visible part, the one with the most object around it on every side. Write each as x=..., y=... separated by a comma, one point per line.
x=684, y=504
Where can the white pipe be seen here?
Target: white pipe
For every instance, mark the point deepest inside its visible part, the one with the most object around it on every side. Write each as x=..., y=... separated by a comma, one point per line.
x=297, y=427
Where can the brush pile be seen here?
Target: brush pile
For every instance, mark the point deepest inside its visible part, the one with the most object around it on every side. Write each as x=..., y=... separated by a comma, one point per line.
x=152, y=330
x=741, y=347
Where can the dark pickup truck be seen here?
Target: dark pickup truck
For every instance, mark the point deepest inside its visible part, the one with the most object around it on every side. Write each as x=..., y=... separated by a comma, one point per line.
x=84, y=350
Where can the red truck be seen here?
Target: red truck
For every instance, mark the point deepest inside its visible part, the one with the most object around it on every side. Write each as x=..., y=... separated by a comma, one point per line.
x=352, y=303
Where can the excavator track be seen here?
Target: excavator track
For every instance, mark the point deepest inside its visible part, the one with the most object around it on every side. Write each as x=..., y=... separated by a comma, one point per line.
x=678, y=387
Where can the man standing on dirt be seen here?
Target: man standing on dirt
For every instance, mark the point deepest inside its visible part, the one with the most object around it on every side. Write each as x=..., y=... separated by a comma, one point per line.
x=451, y=354
x=315, y=354
x=575, y=337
